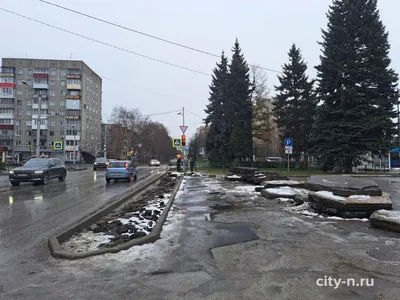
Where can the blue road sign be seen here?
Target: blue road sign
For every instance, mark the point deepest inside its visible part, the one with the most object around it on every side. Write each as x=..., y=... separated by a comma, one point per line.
x=288, y=142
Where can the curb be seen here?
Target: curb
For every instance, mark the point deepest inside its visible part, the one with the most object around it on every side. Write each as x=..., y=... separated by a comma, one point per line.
x=54, y=241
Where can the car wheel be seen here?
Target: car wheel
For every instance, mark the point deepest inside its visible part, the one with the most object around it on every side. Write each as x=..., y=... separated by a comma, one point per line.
x=62, y=178
x=108, y=180
x=14, y=183
x=45, y=178
x=135, y=177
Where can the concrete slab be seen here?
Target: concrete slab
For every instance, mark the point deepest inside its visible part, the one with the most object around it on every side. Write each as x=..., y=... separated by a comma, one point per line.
x=343, y=185
x=354, y=206
x=386, y=219
x=280, y=183
x=273, y=193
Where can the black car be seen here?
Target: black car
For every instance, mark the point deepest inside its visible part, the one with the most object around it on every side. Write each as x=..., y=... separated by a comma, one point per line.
x=38, y=170
x=100, y=162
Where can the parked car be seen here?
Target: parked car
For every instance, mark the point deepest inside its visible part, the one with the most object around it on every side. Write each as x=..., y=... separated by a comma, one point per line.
x=38, y=170
x=100, y=162
x=154, y=163
x=173, y=163
x=121, y=169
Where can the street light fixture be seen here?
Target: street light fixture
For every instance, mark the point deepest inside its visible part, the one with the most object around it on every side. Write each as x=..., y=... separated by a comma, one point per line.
x=38, y=119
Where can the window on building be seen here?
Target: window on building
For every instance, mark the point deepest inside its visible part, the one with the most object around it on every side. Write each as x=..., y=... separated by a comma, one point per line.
x=52, y=82
x=17, y=122
x=20, y=92
x=27, y=143
x=6, y=121
x=29, y=82
x=73, y=81
x=29, y=113
x=17, y=143
x=51, y=133
x=40, y=81
x=30, y=71
x=19, y=81
x=62, y=83
x=63, y=92
x=62, y=102
x=52, y=103
x=20, y=71
x=28, y=132
x=29, y=102
x=52, y=93
x=29, y=92
x=52, y=123
x=53, y=72
x=63, y=73
x=41, y=71
x=28, y=123
x=18, y=112
x=17, y=132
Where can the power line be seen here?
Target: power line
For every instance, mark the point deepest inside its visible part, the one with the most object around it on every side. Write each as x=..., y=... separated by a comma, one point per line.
x=194, y=114
x=143, y=33
x=163, y=113
x=104, y=43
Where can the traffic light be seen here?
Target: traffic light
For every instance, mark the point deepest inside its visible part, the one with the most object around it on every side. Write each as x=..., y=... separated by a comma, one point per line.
x=183, y=140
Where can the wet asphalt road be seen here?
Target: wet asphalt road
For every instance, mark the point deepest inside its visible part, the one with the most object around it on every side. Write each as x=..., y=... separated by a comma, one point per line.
x=30, y=214
x=222, y=259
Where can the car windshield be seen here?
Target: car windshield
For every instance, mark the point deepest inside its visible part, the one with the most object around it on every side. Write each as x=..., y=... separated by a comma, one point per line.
x=37, y=163
x=117, y=164
x=101, y=160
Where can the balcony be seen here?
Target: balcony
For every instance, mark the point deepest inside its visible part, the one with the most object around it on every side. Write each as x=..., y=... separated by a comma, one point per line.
x=73, y=76
x=7, y=72
x=40, y=75
x=43, y=117
x=71, y=137
x=42, y=127
x=71, y=86
x=71, y=148
x=42, y=106
x=74, y=97
x=7, y=96
x=43, y=86
x=6, y=126
x=7, y=136
x=10, y=85
x=6, y=116
x=73, y=117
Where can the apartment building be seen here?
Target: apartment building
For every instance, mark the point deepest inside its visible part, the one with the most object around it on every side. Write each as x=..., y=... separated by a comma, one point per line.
x=69, y=94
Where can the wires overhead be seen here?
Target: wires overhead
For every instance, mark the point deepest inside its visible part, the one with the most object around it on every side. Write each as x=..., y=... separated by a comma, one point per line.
x=105, y=44
x=143, y=33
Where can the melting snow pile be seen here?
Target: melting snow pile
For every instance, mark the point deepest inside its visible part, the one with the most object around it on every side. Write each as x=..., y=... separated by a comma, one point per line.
x=233, y=176
x=387, y=215
x=336, y=197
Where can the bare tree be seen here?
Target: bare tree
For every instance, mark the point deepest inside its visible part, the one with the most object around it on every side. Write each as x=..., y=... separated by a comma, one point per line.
x=131, y=131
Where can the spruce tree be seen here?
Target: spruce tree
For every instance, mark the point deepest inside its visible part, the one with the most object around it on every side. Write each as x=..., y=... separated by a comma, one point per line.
x=295, y=103
x=215, y=120
x=356, y=86
x=238, y=108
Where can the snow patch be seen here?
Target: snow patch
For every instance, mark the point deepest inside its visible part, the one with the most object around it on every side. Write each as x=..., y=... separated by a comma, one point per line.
x=330, y=195
x=360, y=197
x=285, y=200
x=387, y=215
x=233, y=176
x=347, y=219
x=284, y=191
x=86, y=241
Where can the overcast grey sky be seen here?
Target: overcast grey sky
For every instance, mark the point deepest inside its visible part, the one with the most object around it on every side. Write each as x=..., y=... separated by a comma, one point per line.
x=265, y=29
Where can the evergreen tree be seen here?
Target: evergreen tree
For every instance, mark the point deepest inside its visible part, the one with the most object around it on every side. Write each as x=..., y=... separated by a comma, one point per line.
x=215, y=120
x=295, y=103
x=357, y=88
x=238, y=108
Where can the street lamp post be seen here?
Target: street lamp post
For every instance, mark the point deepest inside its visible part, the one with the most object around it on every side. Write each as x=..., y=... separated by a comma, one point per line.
x=183, y=148
x=37, y=121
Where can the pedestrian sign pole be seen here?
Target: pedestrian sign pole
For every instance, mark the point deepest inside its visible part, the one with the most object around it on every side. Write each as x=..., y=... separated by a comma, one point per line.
x=288, y=150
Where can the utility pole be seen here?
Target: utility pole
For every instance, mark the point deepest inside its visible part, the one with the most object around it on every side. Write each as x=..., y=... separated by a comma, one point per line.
x=183, y=149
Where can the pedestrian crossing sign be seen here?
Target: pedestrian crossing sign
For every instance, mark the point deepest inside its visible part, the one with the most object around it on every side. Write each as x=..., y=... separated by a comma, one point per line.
x=177, y=142
x=58, y=145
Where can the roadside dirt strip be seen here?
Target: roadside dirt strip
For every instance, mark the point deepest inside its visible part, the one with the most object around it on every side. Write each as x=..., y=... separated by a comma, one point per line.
x=135, y=218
